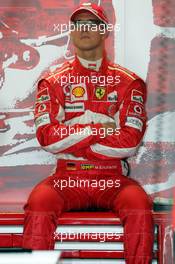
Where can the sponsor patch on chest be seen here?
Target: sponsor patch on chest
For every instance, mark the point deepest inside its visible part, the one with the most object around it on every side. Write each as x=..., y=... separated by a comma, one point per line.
x=112, y=97
x=100, y=93
x=74, y=107
x=78, y=92
x=112, y=109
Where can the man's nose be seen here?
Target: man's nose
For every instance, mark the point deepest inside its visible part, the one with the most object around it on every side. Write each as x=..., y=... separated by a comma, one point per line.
x=85, y=28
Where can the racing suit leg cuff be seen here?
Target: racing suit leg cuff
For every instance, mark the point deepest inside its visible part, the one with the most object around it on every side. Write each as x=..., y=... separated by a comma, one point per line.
x=39, y=228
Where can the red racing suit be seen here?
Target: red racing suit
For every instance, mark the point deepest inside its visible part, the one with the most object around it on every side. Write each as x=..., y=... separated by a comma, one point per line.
x=71, y=105
x=64, y=109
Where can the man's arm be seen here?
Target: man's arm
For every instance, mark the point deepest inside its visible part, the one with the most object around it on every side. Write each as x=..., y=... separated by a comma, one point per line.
x=132, y=125
x=53, y=135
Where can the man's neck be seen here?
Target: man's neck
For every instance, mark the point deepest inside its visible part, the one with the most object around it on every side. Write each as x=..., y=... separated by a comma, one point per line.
x=93, y=65
x=90, y=55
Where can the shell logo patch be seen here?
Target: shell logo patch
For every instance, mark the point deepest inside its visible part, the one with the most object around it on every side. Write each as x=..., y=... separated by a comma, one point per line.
x=100, y=92
x=78, y=91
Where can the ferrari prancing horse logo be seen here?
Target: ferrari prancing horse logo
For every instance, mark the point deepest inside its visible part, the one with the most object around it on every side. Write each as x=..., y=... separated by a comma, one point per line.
x=100, y=92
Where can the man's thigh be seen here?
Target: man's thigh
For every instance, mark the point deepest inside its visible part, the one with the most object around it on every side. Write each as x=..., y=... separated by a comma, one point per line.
x=114, y=186
x=55, y=193
x=67, y=185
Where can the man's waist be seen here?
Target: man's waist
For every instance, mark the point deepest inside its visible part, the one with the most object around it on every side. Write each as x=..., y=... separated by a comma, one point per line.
x=86, y=165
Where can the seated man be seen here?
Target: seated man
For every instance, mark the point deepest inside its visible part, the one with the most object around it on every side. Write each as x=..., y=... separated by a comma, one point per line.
x=91, y=127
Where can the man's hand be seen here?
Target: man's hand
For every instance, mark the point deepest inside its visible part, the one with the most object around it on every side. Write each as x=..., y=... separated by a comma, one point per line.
x=109, y=128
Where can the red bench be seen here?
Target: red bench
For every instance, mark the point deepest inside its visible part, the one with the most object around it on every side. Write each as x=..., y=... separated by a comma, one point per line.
x=9, y=239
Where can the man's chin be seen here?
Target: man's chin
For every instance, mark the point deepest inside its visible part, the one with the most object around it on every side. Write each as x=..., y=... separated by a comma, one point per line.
x=86, y=47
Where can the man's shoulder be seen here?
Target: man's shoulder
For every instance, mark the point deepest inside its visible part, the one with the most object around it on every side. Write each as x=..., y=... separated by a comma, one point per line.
x=64, y=69
x=51, y=78
x=123, y=72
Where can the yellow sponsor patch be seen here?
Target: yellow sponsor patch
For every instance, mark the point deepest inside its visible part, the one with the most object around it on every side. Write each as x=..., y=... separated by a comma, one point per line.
x=100, y=92
x=78, y=91
x=87, y=166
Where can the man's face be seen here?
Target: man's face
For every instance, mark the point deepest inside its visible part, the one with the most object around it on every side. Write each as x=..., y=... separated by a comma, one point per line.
x=86, y=38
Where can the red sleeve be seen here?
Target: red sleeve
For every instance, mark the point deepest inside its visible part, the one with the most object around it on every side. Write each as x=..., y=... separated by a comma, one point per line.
x=53, y=135
x=131, y=125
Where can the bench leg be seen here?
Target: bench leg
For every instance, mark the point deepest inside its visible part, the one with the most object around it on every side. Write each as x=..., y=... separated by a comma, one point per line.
x=165, y=243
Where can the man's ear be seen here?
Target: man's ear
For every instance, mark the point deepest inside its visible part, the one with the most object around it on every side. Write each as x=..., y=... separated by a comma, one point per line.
x=106, y=34
x=70, y=34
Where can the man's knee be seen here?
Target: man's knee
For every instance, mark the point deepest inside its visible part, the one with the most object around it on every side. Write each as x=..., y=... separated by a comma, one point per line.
x=133, y=197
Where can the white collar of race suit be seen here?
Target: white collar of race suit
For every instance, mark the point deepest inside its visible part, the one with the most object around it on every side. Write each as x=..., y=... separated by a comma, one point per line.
x=93, y=65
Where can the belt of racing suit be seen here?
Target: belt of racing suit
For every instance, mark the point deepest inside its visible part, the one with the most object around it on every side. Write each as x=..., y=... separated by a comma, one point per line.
x=119, y=166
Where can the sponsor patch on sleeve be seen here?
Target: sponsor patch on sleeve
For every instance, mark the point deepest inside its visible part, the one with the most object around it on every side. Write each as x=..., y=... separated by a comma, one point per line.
x=42, y=120
x=40, y=109
x=134, y=122
x=137, y=96
x=136, y=110
x=43, y=96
